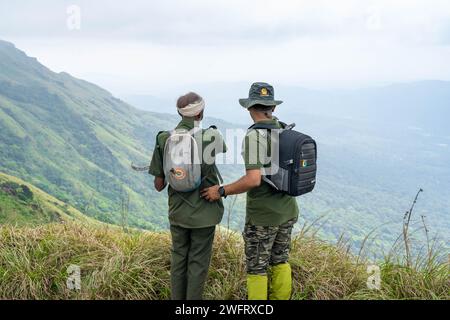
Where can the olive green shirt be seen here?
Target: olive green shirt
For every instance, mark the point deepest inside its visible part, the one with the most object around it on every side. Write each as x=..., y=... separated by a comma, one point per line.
x=188, y=209
x=265, y=205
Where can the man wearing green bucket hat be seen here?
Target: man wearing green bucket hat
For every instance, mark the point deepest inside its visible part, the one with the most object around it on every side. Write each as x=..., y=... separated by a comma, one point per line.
x=270, y=214
x=260, y=93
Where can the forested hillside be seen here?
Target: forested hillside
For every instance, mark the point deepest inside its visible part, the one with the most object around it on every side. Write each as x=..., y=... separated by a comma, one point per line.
x=77, y=142
x=22, y=204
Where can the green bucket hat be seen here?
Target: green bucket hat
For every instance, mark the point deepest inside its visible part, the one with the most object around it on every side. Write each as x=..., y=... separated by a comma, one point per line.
x=260, y=93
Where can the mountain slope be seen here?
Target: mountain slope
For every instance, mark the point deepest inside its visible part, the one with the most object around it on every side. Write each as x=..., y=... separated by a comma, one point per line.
x=24, y=204
x=76, y=141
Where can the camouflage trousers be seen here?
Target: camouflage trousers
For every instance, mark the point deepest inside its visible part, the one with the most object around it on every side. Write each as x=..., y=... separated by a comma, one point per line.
x=267, y=246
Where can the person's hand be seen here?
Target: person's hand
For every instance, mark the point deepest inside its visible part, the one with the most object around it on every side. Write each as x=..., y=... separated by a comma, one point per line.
x=159, y=183
x=211, y=194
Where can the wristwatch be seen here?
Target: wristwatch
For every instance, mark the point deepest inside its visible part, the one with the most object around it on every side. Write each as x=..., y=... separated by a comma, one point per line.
x=222, y=192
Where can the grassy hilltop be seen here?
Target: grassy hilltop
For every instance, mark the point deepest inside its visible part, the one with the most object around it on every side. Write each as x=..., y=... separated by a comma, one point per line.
x=118, y=265
x=40, y=237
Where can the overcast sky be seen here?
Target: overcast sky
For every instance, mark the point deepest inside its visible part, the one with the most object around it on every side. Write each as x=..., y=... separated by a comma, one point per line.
x=139, y=46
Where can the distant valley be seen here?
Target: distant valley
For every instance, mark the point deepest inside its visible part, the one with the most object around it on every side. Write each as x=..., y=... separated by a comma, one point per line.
x=76, y=141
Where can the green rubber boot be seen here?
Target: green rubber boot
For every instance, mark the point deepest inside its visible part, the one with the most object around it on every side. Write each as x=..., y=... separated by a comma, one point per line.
x=281, y=282
x=257, y=287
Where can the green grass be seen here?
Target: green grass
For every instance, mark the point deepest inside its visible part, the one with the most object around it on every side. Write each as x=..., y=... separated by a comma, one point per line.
x=40, y=237
x=135, y=265
x=41, y=208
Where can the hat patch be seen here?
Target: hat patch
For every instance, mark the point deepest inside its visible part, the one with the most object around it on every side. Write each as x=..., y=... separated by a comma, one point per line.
x=264, y=92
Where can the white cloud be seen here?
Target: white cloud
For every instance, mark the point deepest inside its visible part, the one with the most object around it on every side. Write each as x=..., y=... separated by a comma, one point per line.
x=135, y=45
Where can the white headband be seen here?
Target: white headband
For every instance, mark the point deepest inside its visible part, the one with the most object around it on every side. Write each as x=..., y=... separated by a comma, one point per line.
x=193, y=109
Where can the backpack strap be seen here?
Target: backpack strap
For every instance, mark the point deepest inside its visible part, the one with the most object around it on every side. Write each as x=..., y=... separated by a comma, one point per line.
x=268, y=126
x=183, y=198
x=217, y=172
x=219, y=176
x=157, y=138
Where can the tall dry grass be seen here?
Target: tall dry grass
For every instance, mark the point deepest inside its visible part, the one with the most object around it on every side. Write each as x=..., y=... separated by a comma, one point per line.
x=135, y=265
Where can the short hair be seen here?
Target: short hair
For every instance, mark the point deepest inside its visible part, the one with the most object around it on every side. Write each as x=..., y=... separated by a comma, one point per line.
x=262, y=108
x=187, y=99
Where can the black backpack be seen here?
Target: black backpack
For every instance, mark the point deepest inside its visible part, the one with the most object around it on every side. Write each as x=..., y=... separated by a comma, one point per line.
x=297, y=161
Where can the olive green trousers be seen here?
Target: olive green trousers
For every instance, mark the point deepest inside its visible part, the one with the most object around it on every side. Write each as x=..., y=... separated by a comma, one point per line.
x=191, y=256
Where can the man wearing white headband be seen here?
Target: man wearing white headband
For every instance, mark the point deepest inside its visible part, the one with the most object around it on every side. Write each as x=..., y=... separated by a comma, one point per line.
x=193, y=109
x=192, y=219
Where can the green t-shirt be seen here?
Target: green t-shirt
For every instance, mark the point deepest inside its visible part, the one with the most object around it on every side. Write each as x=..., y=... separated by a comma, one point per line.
x=188, y=209
x=265, y=205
